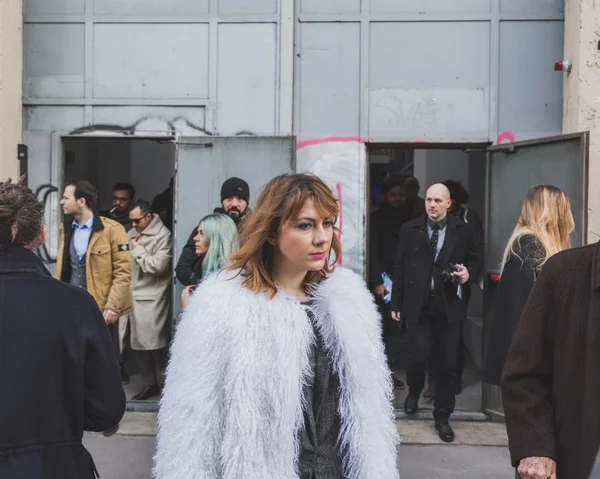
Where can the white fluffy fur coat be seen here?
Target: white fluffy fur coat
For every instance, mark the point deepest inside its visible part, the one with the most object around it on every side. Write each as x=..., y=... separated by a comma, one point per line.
x=232, y=403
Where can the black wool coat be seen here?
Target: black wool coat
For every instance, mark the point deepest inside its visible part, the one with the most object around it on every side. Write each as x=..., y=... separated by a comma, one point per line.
x=551, y=380
x=415, y=265
x=384, y=232
x=58, y=372
x=516, y=283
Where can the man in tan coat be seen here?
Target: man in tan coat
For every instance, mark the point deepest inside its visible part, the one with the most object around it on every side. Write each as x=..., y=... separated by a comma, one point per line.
x=93, y=254
x=151, y=252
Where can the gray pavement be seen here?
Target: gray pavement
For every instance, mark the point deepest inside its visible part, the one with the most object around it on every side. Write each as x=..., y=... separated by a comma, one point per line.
x=130, y=457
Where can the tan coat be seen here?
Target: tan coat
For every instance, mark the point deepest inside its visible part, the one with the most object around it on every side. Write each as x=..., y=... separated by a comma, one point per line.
x=108, y=271
x=151, y=287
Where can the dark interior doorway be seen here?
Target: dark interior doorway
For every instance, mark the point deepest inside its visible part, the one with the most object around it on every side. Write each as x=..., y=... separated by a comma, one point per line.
x=431, y=166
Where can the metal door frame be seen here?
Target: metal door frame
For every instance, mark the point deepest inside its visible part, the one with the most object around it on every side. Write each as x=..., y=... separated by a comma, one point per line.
x=207, y=142
x=491, y=392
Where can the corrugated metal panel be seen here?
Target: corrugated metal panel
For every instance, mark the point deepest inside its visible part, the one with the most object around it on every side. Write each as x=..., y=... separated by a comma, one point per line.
x=545, y=7
x=330, y=6
x=53, y=61
x=245, y=6
x=531, y=97
x=329, y=79
x=45, y=7
x=420, y=90
x=151, y=61
x=422, y=6
x=247, y=78
x=150, y=7
x=52, y=118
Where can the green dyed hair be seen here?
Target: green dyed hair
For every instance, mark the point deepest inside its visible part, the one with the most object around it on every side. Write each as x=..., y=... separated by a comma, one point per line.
x=220, y=233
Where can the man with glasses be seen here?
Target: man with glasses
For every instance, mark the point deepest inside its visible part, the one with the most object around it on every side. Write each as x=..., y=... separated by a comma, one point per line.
x=122, y=199
x=150, y=244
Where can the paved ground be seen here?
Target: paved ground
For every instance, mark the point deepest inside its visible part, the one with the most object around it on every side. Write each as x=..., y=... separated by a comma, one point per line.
x=480, y=451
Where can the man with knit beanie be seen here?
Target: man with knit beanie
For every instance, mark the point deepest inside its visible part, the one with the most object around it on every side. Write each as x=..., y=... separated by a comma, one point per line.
x=235, y=195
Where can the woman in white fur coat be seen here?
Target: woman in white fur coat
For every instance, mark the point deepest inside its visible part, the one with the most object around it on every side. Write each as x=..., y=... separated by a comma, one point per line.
x=277, y=370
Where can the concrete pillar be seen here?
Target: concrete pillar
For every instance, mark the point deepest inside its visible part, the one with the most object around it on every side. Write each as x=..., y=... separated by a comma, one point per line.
x=582, y=92
x=11, y=84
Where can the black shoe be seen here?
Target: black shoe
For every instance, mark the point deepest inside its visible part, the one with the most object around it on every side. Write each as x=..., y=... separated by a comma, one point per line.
x=112, y=431
x=124, y=377
x=411, y=404
x=147, y=393
x=397, y=383
x=445, y=431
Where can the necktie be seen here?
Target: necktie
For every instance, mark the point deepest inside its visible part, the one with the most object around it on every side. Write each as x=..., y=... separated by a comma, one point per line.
x=434, y=238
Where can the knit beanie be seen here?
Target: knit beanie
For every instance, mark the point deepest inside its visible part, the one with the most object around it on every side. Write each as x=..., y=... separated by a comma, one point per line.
x=235, y=187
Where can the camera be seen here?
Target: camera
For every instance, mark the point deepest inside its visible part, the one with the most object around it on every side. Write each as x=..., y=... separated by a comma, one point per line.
x=447, y=274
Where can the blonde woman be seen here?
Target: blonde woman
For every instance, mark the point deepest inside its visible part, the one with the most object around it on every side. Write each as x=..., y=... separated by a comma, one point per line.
x=542, y=230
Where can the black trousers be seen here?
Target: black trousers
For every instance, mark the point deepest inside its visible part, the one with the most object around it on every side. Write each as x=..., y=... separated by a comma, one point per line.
x=392, y=332
x=434, y=332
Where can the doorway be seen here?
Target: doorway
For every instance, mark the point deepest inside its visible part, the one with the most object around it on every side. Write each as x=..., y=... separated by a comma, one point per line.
x=497, y=179
x=148, y=164
x=430, y=166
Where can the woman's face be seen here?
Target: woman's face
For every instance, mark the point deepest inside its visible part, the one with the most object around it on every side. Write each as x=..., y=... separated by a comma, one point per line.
x=200, y=242
x=304, y=243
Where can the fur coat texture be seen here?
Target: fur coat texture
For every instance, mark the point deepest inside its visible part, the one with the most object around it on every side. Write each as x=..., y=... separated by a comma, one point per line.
x=232, y=403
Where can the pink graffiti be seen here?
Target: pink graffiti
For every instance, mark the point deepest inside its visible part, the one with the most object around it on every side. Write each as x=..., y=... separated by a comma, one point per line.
x=331, y=139
x=505, y=137
x=338, y=187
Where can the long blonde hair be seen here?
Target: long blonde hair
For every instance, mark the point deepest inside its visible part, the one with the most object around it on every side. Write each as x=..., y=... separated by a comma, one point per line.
x=546, y=214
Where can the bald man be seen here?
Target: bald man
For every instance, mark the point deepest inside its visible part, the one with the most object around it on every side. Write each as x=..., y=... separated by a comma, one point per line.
x=436, y=259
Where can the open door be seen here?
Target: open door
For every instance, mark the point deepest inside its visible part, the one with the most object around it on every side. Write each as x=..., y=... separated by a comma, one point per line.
x=202, y=165
x=561, y=161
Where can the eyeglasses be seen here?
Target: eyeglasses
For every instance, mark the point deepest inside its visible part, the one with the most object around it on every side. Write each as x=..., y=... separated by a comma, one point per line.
x=136, y=221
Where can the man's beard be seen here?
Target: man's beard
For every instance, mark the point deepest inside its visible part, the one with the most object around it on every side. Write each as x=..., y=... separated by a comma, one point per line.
x=237, y=214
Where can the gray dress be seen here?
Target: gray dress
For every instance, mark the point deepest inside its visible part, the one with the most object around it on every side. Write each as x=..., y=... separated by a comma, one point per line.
x=320, y=457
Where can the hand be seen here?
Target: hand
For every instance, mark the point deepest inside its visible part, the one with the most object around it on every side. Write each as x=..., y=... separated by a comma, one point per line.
x=537, y=468
x=135, y=242
x=463, y=274
x=381, y=291
x=110, y=317
x=396, y=315
x=185, y=295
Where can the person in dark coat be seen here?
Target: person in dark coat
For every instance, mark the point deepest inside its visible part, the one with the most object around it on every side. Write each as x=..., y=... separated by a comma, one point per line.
x=436, y=259
x=459, y=199
x=384, y=233
x=541, y=231
x=58, y=372
x=235, y=196
x=551, y=380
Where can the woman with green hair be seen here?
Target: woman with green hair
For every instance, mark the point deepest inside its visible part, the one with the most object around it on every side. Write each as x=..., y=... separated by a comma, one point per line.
x=215, y=242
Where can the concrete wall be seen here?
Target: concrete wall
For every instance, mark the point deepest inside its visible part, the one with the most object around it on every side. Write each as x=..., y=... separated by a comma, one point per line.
x=11, y=67
x=582, y=93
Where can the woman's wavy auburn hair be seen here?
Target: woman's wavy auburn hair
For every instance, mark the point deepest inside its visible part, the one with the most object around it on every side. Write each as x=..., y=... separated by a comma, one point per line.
x=281, y=200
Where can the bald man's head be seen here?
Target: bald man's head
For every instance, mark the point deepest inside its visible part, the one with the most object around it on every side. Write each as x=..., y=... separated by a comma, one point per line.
x=437, y=202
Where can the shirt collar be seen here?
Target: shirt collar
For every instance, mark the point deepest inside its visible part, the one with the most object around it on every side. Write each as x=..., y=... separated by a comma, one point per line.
x=88, y=224
x=442, y=223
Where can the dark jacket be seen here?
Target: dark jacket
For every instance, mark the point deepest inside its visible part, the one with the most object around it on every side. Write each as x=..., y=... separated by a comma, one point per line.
x=515, y=285
x=58, y=372
x=473, y=220
x=189, y=265
x=384, y=234
x=415, y=265
x=551, y=380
